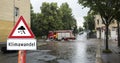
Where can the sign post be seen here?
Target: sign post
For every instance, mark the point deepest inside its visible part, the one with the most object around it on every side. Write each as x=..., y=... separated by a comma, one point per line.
x=22, y=56
x=21, y=38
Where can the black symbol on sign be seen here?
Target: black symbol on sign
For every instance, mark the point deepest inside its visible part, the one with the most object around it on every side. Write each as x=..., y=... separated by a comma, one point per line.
x=21, y=30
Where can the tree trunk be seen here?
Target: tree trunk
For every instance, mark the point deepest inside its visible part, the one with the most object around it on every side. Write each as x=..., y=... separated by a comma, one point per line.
x=107, y=46
x=100, y=33
x=118, y=26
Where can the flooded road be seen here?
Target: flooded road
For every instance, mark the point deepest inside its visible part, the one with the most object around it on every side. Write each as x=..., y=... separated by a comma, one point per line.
x=8, y=57
x=81, y=50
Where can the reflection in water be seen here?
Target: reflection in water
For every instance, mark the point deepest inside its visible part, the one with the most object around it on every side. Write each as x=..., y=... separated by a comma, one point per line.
x=84, y=51
x=80, y=53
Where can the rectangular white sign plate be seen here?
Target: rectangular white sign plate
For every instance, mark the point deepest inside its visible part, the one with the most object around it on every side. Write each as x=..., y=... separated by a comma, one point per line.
x=21, y=44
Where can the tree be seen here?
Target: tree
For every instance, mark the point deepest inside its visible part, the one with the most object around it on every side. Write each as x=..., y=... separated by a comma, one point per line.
x=51, y=17
x=89, y=22
x=80, y=29
x=75, y=30
x=33, y=19
x=107, y=10
x=68, y=19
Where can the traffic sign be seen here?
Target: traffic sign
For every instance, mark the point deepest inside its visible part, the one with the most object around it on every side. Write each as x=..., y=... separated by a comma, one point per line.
x=21, y=44
x=21, y=37
x=21, y=30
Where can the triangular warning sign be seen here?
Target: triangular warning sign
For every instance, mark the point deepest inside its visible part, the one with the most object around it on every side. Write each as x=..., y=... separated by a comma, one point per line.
x=21, y=30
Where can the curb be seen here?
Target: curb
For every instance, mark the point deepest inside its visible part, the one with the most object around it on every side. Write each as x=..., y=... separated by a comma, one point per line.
x=98, y=54
x=41, y=44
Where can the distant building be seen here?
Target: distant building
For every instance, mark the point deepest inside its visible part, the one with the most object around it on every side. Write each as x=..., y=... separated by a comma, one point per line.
x=10, y=11
x=100, y=28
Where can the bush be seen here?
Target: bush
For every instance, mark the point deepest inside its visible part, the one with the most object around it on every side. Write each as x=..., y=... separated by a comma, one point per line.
x=107, y=51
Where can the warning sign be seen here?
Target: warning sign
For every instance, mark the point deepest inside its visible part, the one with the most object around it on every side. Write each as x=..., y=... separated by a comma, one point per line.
x=21, y=30
x=21, y=37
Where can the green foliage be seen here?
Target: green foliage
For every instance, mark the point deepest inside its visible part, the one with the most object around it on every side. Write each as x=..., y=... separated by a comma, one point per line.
x=89, y=22
x=80, y=29
x=52, y=18
x=68, y=20
x=33, y=19
x=75, y=30
x=107, y=10
x=107, y=51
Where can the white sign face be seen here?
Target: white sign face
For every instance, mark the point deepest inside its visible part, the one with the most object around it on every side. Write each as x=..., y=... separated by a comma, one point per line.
x=21, y=44
x=21, y=30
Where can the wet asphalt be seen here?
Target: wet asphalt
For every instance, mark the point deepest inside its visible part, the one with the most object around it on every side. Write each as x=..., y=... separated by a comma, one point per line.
x=81, y=50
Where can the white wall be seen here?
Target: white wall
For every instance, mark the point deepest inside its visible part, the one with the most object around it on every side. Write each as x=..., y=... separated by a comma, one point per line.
x=103, y=34
x=113, y=34
x=97, y=33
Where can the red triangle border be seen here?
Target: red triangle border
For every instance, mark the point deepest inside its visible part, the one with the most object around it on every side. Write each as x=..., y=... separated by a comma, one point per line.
x=31, y=33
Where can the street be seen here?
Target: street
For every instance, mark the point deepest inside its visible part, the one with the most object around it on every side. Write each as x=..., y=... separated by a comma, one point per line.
x=59, y=31
x=81, y=50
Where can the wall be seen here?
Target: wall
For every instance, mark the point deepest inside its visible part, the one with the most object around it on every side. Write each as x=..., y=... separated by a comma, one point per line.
x=7, y=15
x=113, y=33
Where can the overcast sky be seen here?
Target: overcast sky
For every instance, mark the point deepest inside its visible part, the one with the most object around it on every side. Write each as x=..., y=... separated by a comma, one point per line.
x=77, y=10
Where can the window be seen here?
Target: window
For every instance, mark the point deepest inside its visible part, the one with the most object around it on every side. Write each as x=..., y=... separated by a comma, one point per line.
x=16, y=11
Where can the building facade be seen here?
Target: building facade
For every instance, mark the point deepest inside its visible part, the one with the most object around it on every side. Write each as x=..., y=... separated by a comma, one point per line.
x=100, y=28
x=10, y=11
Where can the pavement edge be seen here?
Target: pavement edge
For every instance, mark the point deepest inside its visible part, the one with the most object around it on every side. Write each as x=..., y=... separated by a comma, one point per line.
x=98, y=53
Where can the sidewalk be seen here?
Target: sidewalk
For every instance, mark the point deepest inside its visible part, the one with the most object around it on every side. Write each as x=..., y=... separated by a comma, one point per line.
x=41, y=42
x=98, y=52
x=113, y=57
